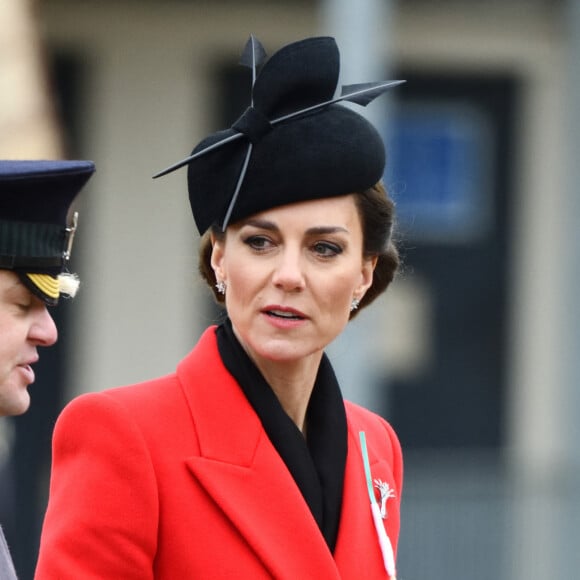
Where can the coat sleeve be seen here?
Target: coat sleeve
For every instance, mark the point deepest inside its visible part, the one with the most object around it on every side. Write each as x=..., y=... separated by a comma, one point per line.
x=102, y=515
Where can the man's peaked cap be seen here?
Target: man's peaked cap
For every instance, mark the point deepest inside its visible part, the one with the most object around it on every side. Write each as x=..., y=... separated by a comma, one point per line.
x=35, y=232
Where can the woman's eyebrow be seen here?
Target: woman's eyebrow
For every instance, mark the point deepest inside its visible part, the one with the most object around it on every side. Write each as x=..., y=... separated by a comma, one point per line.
x=261, y=224
x=318, y=230
x=315, y=230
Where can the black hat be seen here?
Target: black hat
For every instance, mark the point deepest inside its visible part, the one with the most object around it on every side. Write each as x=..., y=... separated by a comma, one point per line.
x=35, y=234
x=294, y=143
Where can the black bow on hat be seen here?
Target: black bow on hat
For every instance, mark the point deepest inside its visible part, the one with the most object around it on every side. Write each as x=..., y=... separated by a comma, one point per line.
x=294, y=143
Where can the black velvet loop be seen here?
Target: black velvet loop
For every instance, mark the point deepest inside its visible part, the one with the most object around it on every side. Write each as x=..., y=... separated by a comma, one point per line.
x=253, y=124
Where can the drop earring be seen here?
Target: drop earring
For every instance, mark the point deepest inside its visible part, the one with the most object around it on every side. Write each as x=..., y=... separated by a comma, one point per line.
x=221, y=287
x=354, y=304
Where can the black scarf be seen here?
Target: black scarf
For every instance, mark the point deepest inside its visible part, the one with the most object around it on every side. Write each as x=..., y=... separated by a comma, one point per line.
x=317, y=463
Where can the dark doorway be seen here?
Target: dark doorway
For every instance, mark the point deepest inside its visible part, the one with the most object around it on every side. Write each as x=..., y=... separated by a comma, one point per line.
x=453, y=148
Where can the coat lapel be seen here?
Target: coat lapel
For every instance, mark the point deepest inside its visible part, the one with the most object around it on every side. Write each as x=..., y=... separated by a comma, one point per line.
x=354, y=538
x=244, y=475
x=358, y=553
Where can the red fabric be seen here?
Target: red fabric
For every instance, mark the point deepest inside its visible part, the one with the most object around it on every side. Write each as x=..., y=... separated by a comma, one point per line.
x=175, y=478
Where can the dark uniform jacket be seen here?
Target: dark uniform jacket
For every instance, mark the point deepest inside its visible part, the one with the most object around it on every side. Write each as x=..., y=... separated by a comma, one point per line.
x=7, y=571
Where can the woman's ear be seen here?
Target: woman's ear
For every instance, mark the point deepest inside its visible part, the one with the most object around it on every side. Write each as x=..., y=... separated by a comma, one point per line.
x=368, y=268
x=217, y=257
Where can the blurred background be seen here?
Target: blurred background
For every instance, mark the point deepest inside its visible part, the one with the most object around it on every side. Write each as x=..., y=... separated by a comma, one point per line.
x=473, y=354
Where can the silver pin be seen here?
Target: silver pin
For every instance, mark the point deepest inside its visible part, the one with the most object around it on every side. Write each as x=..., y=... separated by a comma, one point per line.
x=70, y=235
x=386, y=492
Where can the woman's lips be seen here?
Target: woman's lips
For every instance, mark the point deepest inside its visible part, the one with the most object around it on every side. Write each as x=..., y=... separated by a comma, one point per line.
x=283, y=316
x=284, y=312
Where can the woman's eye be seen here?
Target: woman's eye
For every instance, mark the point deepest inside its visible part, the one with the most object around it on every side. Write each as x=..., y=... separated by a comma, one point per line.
x=327, y=249
x=258, y=242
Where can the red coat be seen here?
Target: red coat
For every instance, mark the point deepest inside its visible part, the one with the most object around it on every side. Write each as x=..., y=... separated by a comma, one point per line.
x=175, y=478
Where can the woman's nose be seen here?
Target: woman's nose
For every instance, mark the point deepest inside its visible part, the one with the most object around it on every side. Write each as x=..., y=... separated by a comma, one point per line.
x=43, y=331
x=289, y=272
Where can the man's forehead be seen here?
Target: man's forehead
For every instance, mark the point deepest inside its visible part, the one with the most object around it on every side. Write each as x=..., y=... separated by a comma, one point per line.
x=9, y=280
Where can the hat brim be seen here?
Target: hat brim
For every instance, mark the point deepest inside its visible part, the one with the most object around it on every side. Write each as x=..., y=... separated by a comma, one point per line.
x=44, y=286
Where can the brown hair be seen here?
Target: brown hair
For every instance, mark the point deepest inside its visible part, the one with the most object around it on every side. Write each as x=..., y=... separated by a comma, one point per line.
x=377, y=213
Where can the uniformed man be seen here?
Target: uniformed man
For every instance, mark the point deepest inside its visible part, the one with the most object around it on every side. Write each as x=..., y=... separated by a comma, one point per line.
x=36, y=236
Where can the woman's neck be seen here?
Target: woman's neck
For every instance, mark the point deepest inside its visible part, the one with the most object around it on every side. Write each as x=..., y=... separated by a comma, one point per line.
x=291, y=381
x=292, y=384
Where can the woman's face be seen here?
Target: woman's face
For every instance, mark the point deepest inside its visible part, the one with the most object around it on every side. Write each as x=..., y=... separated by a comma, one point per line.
x=25, y=324
x=291, y=273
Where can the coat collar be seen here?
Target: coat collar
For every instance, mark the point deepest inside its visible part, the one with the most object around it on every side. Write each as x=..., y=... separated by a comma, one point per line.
x=240, y=469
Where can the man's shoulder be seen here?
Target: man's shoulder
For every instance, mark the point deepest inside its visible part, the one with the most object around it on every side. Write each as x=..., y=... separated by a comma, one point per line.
x=7, y=571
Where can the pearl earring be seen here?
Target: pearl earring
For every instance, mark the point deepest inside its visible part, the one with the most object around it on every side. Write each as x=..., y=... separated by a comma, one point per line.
x=354, y=304
x=221, y=287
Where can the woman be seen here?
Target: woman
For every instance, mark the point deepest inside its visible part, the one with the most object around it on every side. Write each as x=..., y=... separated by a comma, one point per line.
x=246, y=462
